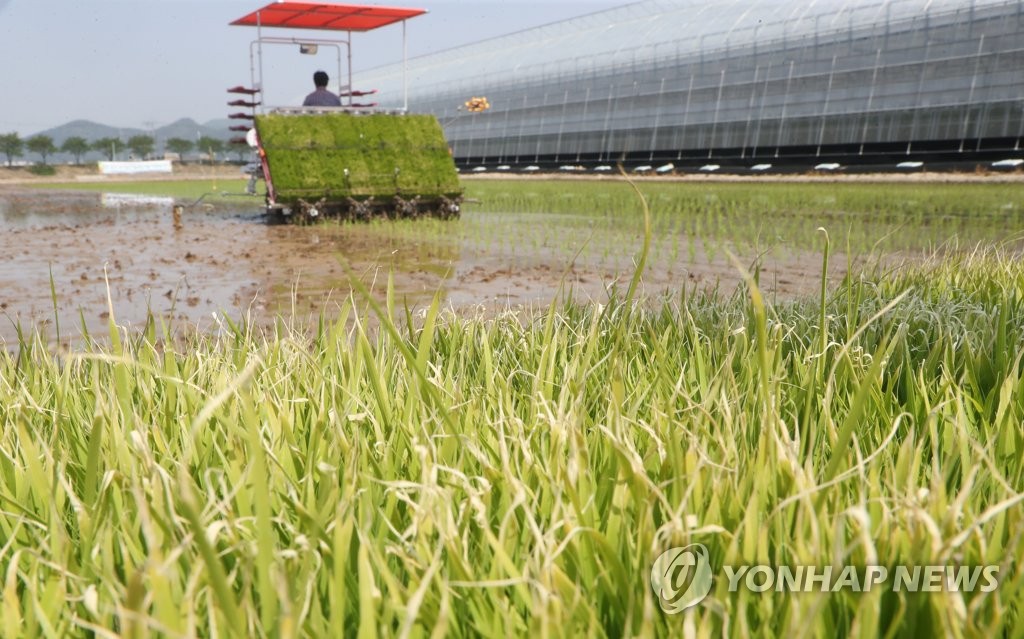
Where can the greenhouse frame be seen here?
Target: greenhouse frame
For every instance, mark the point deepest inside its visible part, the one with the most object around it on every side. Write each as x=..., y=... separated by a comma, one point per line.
x=744, y=81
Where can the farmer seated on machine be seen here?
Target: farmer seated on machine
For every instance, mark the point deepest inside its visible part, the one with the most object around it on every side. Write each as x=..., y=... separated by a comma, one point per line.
x=321, y=97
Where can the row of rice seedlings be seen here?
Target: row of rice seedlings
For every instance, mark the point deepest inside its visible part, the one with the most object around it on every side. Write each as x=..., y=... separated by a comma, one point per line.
x=875, y=216
x=598, y=240
x=216, y=189
x=444, y=475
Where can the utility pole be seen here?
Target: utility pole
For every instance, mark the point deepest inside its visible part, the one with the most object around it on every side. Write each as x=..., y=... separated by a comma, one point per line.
x=151, y=127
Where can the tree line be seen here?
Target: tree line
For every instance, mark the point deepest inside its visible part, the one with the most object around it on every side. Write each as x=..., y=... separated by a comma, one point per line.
x=140, y=146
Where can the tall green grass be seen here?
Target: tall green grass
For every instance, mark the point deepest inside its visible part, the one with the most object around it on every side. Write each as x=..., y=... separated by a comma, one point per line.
x=500, y=476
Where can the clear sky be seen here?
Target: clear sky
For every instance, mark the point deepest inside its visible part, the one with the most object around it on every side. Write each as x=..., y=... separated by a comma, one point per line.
x=146, y=63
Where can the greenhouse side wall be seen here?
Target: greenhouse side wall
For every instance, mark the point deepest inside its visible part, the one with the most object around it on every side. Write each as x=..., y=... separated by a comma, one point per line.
x=942, y=82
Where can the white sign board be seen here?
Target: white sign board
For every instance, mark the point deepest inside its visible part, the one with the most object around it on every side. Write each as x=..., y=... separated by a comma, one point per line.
x=117, y=200
x=131, y=168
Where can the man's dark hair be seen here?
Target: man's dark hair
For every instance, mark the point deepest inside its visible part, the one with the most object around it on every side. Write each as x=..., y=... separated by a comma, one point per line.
x=320, y=79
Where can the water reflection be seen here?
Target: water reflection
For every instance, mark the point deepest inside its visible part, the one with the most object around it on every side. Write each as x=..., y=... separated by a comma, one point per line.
x=41, y=209
x=224, y=259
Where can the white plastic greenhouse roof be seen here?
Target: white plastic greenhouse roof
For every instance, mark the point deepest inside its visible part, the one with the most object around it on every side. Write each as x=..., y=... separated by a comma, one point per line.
x=655, y=28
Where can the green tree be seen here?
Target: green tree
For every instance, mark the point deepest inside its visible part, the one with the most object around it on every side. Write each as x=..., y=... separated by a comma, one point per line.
x=180, y=146
x=213, y=146
x=141, y=145
x=41, y=144
x=108, y=147
x=11, y=145
x=76, y=146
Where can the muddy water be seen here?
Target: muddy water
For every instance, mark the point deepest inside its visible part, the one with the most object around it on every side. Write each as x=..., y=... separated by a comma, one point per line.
x=231, y=259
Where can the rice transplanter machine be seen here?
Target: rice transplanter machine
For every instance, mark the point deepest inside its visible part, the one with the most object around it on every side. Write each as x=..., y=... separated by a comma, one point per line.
x=355, y=161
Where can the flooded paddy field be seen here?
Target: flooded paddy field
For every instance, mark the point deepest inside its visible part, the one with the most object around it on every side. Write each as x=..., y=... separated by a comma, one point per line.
x=483, y=463
x=75, y=256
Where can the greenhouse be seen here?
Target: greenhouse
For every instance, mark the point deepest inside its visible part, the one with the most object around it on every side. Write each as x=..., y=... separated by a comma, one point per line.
x=741, y=80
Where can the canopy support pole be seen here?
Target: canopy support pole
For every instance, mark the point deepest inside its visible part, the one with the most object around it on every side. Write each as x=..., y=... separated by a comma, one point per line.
x=259, y=54
x=405, y=70
x=351, y=86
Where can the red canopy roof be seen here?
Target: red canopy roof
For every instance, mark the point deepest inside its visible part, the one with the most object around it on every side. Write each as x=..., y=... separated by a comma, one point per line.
x=321, y=15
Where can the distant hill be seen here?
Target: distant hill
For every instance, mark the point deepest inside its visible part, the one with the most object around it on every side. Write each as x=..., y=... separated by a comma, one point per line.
x=221, y=125
x=88, y=130
x=185, y=128
x=189, y=129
